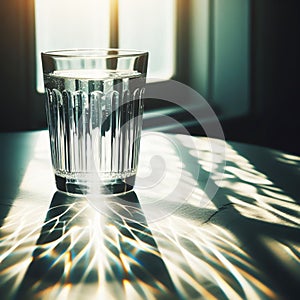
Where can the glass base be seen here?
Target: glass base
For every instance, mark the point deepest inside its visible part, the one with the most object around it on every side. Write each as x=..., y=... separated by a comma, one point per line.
x=81, y=187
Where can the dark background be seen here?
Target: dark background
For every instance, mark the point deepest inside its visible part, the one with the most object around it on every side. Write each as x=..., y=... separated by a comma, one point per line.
x=272, y=119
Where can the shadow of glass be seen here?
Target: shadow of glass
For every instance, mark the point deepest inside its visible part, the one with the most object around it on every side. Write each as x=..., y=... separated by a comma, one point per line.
x=83, y=253
x=131, y=245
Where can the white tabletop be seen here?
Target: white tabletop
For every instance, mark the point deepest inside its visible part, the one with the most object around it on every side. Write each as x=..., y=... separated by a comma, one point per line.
x=204, y=222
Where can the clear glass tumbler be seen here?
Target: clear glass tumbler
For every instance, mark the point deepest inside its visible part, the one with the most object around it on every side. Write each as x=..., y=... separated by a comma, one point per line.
x=94, y=107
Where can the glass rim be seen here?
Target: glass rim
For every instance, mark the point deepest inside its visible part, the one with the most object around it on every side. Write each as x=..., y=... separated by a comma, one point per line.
x=94, y=53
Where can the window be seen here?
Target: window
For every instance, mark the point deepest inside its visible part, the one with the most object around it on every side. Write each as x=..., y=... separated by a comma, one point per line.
x=87, y=24
x=150, y=25
x=202, y=43
x=62, y=24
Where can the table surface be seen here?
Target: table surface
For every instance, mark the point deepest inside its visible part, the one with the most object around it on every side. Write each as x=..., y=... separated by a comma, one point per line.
x=201, y=224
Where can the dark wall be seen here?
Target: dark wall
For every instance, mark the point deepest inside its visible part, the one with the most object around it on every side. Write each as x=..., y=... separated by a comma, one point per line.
x=20, y=105
x=12, y=57
x=274, y=120
x=276, y=77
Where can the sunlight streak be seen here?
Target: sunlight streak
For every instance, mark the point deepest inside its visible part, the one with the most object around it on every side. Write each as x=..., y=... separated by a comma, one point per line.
x=218, y=248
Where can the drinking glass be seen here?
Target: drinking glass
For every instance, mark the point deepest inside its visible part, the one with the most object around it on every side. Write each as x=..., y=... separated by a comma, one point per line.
x=94, y=107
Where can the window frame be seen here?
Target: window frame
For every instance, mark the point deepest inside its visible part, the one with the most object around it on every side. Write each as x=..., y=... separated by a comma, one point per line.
x=28, y=108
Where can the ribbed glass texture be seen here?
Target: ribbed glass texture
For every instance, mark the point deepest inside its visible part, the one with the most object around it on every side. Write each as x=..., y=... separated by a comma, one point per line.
x=94, y=125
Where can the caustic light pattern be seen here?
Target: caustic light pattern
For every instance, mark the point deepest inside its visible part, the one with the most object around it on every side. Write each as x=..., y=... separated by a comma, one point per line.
x=73, y=251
